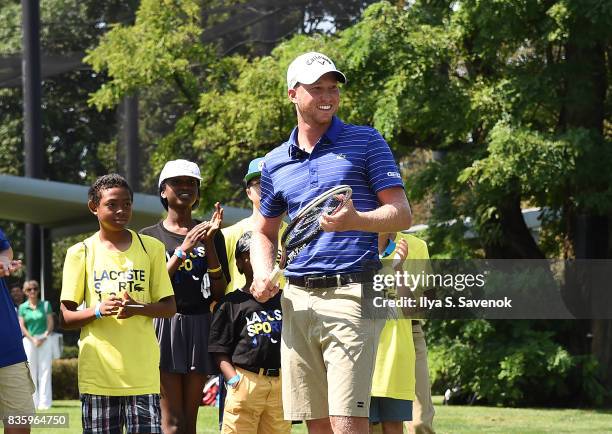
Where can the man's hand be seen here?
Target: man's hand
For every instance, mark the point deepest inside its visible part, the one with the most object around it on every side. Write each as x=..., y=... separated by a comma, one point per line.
x=346, y=219
x=7, y=266
x=263, y=289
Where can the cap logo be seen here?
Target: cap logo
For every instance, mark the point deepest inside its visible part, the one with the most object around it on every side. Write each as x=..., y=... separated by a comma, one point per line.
x=260, y=165
x=319, y=58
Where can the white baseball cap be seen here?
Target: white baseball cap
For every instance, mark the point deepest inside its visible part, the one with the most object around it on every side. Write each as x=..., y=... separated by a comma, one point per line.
x=309, y=67
x=176, y=168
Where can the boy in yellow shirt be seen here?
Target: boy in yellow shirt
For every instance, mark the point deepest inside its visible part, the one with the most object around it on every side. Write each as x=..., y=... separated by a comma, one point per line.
x=121, y=278
x=400, y=387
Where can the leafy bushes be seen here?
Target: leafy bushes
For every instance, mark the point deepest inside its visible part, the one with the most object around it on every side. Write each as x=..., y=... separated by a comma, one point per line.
x=65, y=379
x=511, y=363
x=70, y=352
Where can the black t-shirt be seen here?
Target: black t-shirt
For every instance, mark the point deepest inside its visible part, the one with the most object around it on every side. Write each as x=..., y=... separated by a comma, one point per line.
x=247, y=330
x=190, y=281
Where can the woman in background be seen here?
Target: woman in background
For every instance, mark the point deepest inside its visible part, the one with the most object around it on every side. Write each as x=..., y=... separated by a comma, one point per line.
x=36, y=321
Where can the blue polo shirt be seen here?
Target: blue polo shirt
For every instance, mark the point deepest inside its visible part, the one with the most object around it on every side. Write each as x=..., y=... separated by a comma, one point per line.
x=346, y=154
x=11, y=346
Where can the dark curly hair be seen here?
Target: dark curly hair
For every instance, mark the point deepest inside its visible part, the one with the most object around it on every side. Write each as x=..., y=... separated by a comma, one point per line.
x=105, y=182
x=244, y=243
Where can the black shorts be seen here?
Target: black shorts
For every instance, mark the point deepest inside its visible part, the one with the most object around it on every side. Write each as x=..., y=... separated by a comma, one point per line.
x=183, y=344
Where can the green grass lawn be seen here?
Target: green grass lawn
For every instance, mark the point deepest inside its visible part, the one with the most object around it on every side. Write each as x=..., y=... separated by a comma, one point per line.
x=449, y=420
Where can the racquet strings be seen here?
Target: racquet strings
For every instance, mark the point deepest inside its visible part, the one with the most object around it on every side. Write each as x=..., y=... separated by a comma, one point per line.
x=307, y=226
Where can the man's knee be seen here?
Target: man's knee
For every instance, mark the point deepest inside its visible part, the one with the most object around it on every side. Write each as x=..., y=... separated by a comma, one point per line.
x=319, y=426
x=349, y=425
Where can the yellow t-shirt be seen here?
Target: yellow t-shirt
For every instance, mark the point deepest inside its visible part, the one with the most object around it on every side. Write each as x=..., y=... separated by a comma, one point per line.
x=394, y=373
x=232, y=234
x=117, y=357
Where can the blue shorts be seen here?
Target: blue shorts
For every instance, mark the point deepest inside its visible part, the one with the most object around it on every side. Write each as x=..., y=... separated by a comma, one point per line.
x=109, y=414
x=389, y=410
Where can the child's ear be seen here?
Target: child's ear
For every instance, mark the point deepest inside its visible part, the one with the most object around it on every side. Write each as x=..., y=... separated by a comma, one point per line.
x=240, y=263
x=92, y=207
x=162, y=193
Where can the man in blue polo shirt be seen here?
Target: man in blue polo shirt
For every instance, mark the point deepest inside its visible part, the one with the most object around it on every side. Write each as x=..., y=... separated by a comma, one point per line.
x=328, y=349
x=16, y=387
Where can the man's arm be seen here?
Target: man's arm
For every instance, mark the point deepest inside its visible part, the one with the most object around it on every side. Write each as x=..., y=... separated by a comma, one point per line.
x=393, y=215
x=264, y=244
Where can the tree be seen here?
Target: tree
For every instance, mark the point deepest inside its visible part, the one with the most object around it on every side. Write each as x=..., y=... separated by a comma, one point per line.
x=76, y=137
x=177, y=53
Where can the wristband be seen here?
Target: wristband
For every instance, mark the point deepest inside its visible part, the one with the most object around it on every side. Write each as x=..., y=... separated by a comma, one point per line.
x=180, y=254
x=214, y=270
x=233, y=380
x=97, y=311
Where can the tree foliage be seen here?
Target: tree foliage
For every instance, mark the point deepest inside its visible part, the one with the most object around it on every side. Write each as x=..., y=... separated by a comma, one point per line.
x=224, y=108
x=75, y=135
x=511, y=363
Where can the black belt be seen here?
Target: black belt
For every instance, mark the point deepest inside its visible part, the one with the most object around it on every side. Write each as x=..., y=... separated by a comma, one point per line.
x=416, y=322
x=332, y=281
x=270, y=372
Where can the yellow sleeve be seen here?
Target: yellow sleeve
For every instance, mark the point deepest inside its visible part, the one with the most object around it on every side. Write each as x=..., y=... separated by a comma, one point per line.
x=159, y=282
x=229, y=233
x=230, y=242
x=417, y=248
x=73, y=276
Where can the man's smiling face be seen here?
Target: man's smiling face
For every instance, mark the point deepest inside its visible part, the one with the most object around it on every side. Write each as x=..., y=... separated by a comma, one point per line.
x=318, y=102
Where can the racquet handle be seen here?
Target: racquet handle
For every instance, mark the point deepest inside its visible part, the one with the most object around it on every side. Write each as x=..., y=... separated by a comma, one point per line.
x=275, y=275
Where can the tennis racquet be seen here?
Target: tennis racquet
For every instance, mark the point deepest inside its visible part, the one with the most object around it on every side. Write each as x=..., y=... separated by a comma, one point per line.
x=306, y=226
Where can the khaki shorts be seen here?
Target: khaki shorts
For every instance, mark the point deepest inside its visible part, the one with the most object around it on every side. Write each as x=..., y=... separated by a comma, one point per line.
x=328, y=352
x=16, y=389
x=255, y=406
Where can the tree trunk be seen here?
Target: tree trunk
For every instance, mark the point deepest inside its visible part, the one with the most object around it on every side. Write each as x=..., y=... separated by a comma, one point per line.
x=585, y=87
x=516, y=241
x=601, y=348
